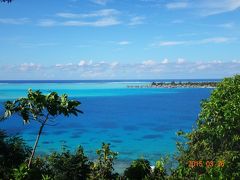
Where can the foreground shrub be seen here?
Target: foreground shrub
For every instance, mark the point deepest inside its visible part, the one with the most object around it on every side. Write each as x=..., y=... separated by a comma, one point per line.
x=139, y=169
x=13, y=152
x=159, y=171
x=103, y=167
x=212, y=148
x=69, y=166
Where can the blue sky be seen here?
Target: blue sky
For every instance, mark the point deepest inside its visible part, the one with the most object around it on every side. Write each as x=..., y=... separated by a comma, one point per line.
x=119, y=39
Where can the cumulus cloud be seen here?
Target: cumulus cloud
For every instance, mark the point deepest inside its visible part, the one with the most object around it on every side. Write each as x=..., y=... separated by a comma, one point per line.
x=181, y=61
x=149, y=62
x=88, y=69
x=165, y=61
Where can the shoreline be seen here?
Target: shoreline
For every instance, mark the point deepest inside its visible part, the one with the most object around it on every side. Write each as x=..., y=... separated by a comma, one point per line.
x=176, y=85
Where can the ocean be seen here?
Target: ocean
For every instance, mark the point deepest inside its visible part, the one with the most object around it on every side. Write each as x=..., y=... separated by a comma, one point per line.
x=136, y=122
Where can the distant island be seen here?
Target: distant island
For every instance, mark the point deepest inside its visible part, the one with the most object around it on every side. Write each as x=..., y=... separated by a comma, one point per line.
x=174, y=84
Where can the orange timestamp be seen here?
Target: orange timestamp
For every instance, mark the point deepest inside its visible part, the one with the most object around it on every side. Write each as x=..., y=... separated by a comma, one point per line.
x=208, y=164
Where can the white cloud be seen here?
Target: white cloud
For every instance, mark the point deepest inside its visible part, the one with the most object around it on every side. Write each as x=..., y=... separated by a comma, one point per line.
x=110, y=21
x=213, y=7
x=87, y=69
x=124, y=43
x=212, y=40
x=29, y=67
x=100, y=13
x=136, y=21
x=102, y=22
x=177, y=5
x=165, y=61
x=47, y=23
x=101, y=18
x=149, y=62
x=100, y=2
x=14, y=21
x=227, y=25
x=85, y=63
x=236, y=61
x=204, y=7
x=203, y=66
x=170, y=43
x=181, y=61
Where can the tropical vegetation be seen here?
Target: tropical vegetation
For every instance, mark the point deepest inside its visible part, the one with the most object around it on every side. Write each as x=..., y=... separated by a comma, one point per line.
x=209, y=151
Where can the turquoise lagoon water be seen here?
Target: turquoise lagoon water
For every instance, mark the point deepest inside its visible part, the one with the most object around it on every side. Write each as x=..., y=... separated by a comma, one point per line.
x=137, y=122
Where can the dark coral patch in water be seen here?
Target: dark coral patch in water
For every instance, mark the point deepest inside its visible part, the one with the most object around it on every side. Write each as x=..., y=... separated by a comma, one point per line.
x=152, y=136
x=84, y=143
x=126, y=152
x=116, y=141
x=106, y=125
x=75, y=136
x=80, y=130
x=47, y=142
x=163, y=128
x=130, y=128
x=58, y=132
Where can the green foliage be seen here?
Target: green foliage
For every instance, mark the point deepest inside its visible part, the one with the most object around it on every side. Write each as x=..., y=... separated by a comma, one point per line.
x=159, y=171
x=103, y=167
x=13, y=152
x=39, y=107
x=216, y=137
x=36, y=106
x=68, y=166
x=21, y=173
x=139, y=169
x=46, y=177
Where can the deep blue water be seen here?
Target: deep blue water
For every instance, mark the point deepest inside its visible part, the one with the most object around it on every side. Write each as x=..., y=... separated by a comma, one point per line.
x=137, y=122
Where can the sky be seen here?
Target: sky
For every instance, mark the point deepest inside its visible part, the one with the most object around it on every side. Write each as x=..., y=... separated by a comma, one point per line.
x=119, y=39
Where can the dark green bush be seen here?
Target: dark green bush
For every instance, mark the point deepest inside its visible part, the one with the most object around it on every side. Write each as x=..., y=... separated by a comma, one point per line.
x=139, y=169
x=103, y=167
x=216, y=137
x=13, y=152
x=66, y=165
x=159, y=171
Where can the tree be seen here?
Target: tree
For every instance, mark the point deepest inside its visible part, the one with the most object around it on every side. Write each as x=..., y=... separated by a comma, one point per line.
x=215, y=143
x=41, y=108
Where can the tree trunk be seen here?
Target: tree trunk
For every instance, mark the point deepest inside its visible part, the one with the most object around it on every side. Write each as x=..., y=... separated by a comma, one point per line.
x=36, y=142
